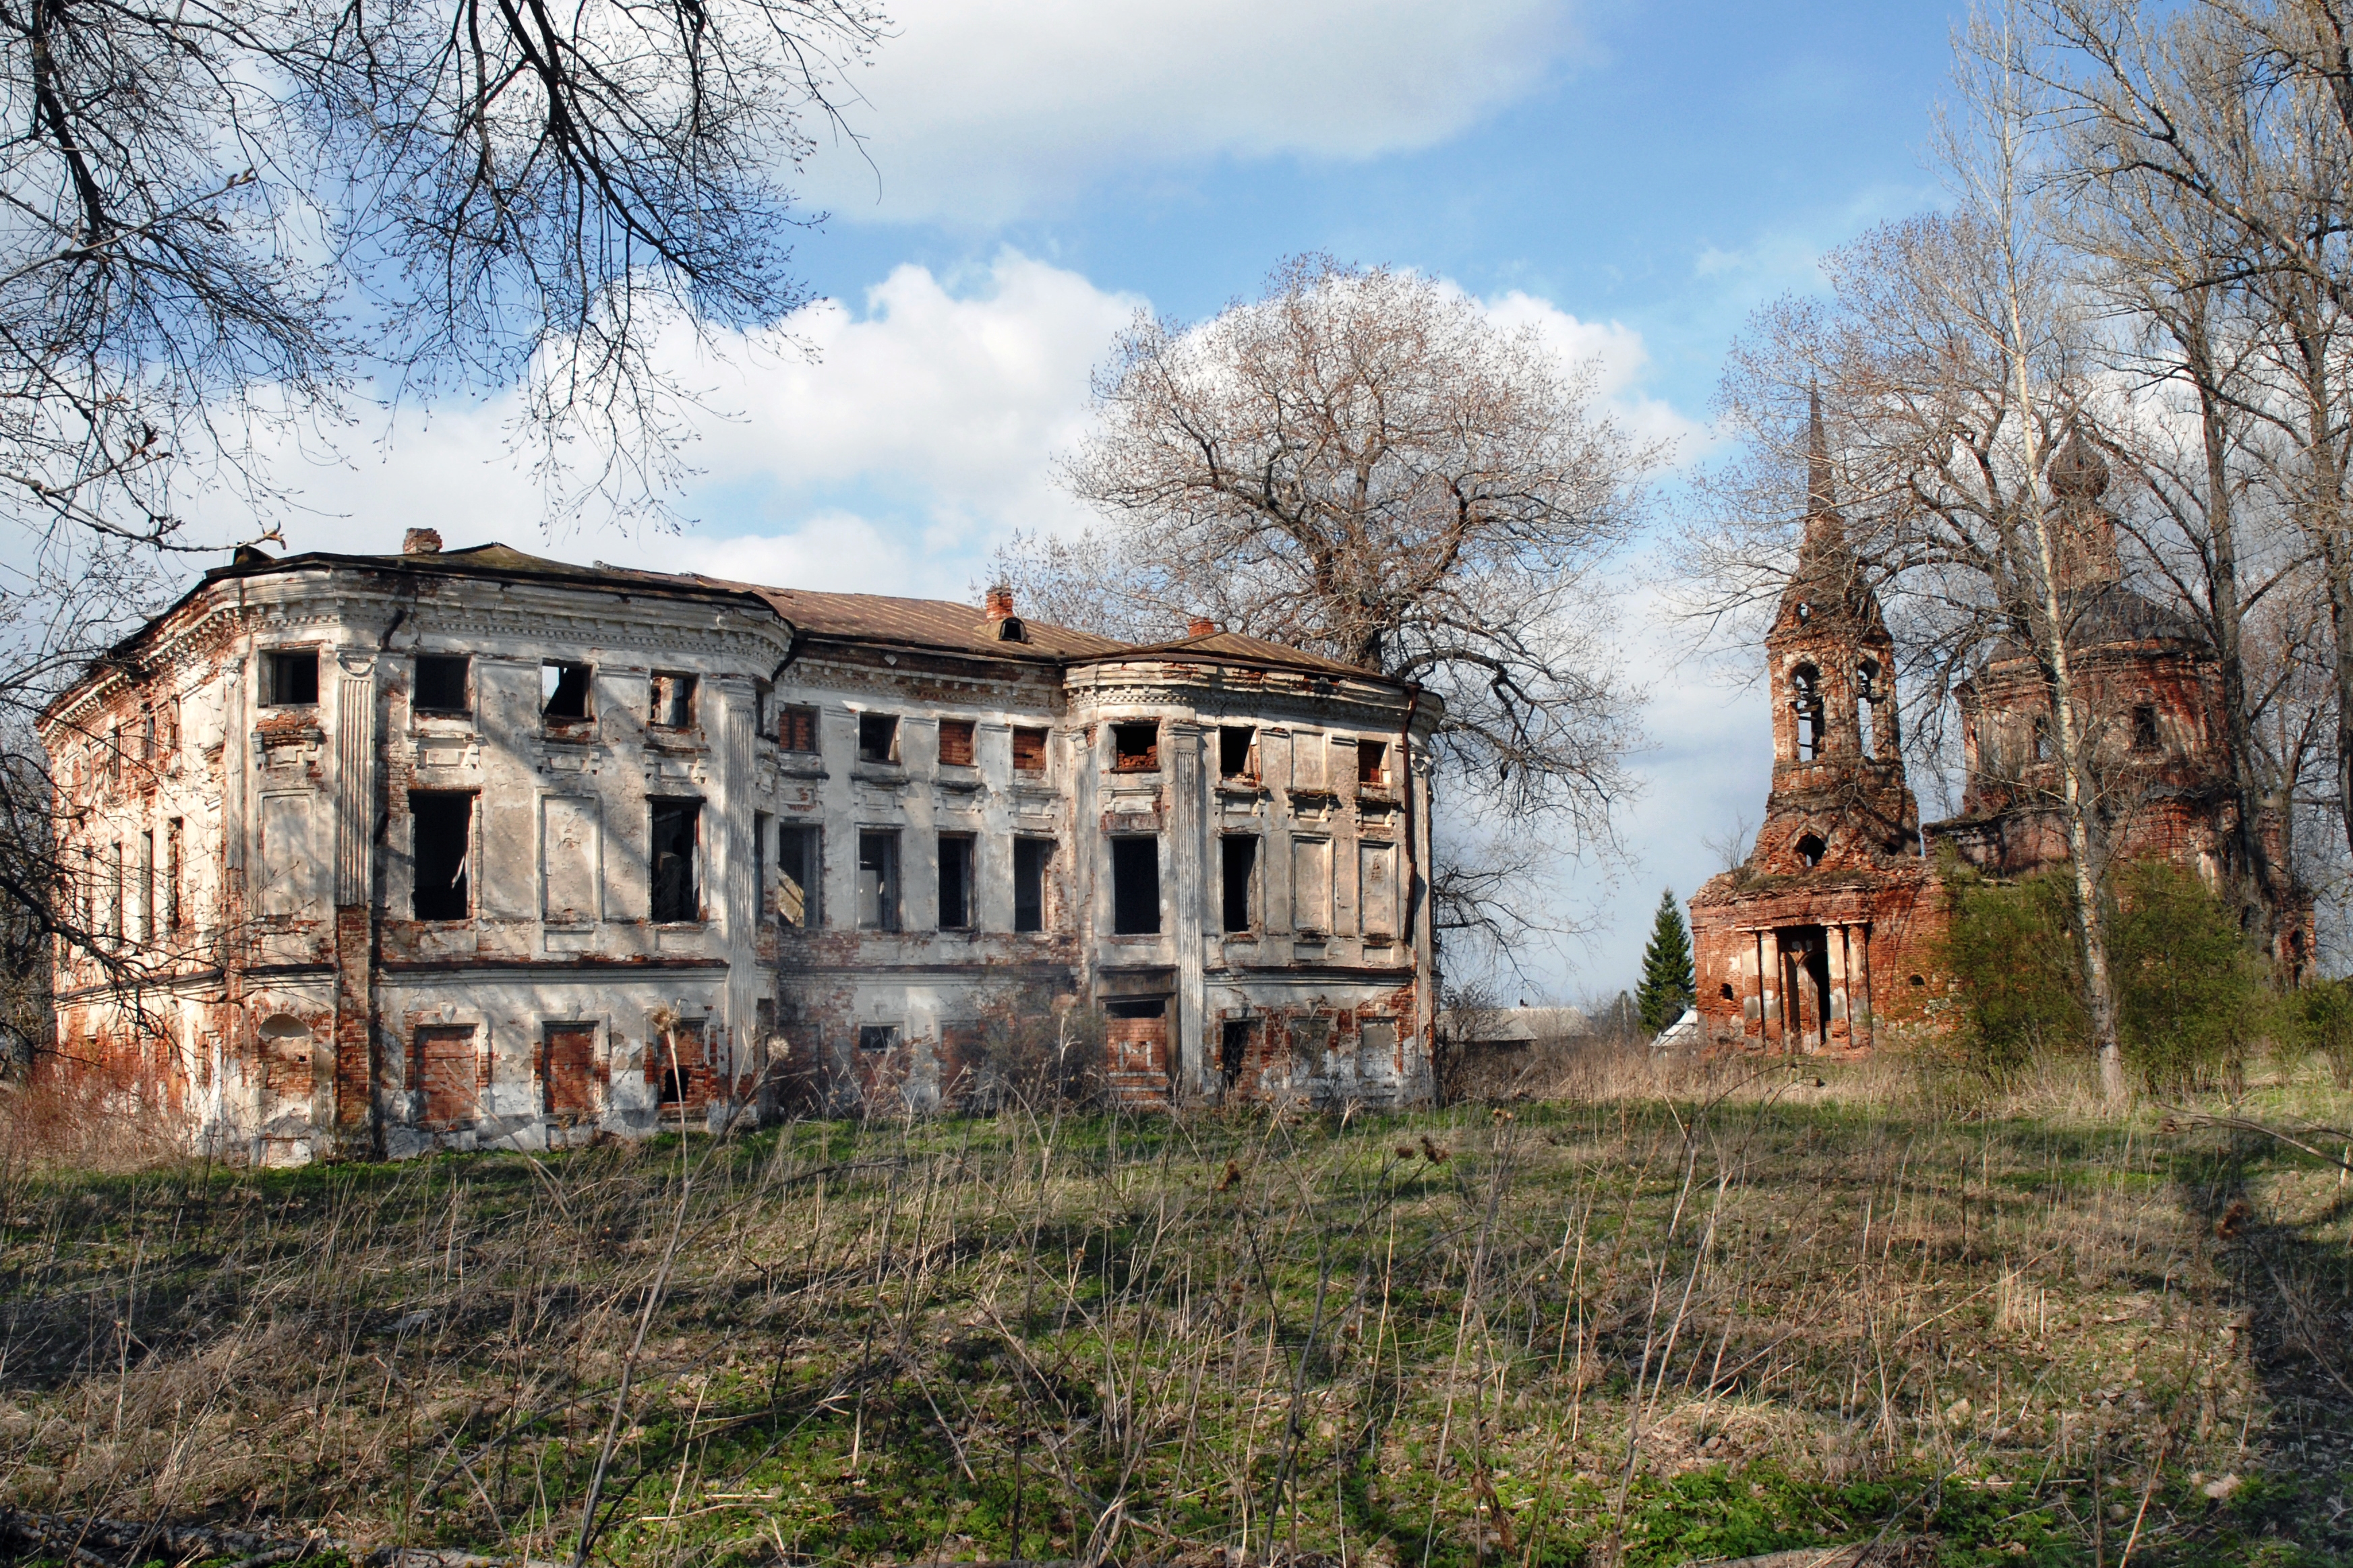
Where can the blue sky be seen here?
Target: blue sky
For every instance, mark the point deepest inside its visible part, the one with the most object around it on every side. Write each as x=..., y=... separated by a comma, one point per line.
x=1633, y=179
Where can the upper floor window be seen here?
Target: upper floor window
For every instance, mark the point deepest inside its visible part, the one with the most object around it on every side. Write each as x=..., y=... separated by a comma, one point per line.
x=442, y=683
x=673, y=701
x=877, y=737
x=1372, y=763
x=292, y=678
x=1029, y=750
x=1135, y=748
x=797, y=730
x=955, y=743
x=1032, y=859
x=1135, y=887
x=956, y=882
x=1806, y=702
x=1237, y=751
x=676, y=895
x=878, y=881
x=443, y=825
x=563, y=691
x=2145, y=734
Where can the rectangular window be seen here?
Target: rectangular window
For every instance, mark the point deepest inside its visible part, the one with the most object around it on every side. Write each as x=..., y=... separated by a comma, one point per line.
x=797, y=730
x=114, y=926
x=442, y=683
x=1376, y=1048
x=1240, y=855
x=1135, y=887
x=1032, y=859
x=877, y=737
x=1372, y=763
x=446, y=1070
x=1135, y=748
x=567, y=1070
x=2145, y=736
x=955, y=881
x=878, y=881
x=146, y=896
x=293, y=679
x=955, y=743
x=174, y=845
x=1234, y=1042
x=147, y=736
x=1310, y=886
x=1029, y=750
x=877, y=1037
x=1235, y=751
x=674, y=1062
x=670, y=859
x=763, y=697
x=563, y=691
x=673, y=701
x=444, y=826
x=800, y=873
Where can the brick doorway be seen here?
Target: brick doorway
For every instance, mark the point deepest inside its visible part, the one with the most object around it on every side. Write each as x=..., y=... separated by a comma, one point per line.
x=1135, y=1050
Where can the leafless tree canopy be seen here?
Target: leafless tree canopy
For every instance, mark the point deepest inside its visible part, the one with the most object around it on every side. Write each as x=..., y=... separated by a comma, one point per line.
x=1360, y=464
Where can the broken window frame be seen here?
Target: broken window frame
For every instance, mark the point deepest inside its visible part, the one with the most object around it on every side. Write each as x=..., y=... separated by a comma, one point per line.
x=571, y=681
x=430, y=679
x=1033, y=871
x=441, y=890
x=800, y=869
x=1238, y=751
x=956, y=905
x=876, y=1038
x=291, y=679
x=1028, y=749
x=1372, y=764
x=796, y=722
x=1127, y=756
x=959, y=742
x=878, y=739
x=1133, y=856
x=674, y=897
x=1240, y=900
x=878, y=854
x=670, y=700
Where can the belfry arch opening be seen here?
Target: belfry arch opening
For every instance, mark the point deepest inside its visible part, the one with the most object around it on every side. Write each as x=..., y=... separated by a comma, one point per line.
x=1806, y=703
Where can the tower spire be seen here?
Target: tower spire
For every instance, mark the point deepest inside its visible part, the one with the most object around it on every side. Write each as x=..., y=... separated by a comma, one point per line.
x=1818, y=497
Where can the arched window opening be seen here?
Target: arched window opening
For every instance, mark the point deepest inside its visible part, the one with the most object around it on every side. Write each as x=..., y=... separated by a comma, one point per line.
x=1806, y=703
x=2145, y=736
x=1725, y=992
x=2042, y=739
x=1809, y=850
x=1867, y=698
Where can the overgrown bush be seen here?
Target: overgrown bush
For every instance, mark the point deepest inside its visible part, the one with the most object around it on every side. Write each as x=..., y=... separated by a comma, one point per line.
x=1038, y=1057
x=2322, y=1015
x=2012, y=947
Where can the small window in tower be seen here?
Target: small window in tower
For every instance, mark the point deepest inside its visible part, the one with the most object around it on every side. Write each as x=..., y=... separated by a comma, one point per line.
x=1806, y=703
x=563, y=691
x=1135, y=748
x=1029, y=750
x=1809, y=850
x=293, y=680
x=1135, y=887
x=1235, y=747
x=955, y=743
x=673, y=701
x=1372, y=763
x=1238, y=866
x=796, y=728
x=1725, y=992
x=2145, y=735
x=877, y=737
x=442, y=683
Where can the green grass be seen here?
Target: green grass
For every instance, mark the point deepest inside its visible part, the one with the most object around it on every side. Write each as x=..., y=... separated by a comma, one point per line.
x=1674, y=1331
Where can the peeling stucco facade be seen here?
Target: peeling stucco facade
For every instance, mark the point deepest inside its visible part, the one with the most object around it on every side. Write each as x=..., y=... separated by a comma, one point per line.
x=463, y=849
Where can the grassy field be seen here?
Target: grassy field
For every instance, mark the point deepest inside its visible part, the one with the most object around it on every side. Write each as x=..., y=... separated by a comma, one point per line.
x=1643, y=1329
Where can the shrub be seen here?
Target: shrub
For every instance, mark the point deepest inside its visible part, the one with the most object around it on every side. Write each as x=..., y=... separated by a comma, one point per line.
x=2322, y=1016
x=1037, y=1057
x=2012, y=947
x=2190, y=987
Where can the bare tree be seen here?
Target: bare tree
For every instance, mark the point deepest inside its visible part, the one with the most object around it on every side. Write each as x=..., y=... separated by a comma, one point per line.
x=1361, y=464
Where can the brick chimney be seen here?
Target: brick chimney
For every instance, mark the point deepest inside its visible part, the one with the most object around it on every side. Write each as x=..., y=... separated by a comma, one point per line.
x=421, y=541
x=1200, y=626
x=999, y=602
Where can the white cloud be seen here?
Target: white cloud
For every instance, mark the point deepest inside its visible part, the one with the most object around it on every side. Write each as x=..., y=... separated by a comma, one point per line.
x=1619, y=360
x=979, y=111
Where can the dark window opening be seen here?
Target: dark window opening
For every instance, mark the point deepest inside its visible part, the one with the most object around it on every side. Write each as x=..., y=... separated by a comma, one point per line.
x=1135, y=887
x=294, y=680
x=174, y=836
x=1806, y=700
x=564, y=690
x=1032, y=857
x=1372, y=763
x=1135, y=748
x=1234, y=743
x=441, y=684
x=1029, y=750
x=673, y=703
x=2145, y=736
x=955, y=743
x=1239, y=855
x=1138, y=1007
x=877, y=1037
x=444, y=826
x=1233, y=1050
x=877, y=737
x=2042, y=739
x=1919, y=980
x=955, y=881
x=799, y=866
x=1725, y=992
x=797, y=730
x=675, y=1056
x=1809, y=850
x=763, y=695
x=676, y=895
x=878, y=881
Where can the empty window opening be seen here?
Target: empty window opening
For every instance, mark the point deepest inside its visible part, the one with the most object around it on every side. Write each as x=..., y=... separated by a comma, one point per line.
x=1239, y=853
x=677, y=892
x=1372, y=763
x=1031, y=858
x=1235, y=748
x=1135, y=748
x=2145, y=736
x=2042, y=739
x=1234, y=1042
x=673, y=701
x=1029, y=750
x=1138, y=1007
x=1810, y=851
x=147, y=736
x=1919, y=980
x=878, y=881
x=763, y=697
x=955, y=881
x=1725, y=992
x=441, y=685
x=175, y=841
x=444, y=827
x=1806, y=702
x=955, y=743
x=877, y=1037
x=673, y=1058
x=800, y=875
x=564, y=690
x=797, y=730
x=294, y=678
x=1135, y=887
x=877, y=737
x=146, y=912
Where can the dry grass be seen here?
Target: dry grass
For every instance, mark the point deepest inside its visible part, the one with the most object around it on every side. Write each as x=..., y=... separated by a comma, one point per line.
x=1665, y=1321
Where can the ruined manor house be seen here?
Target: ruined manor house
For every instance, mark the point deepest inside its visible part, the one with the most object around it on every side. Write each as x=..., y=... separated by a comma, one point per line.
x=467, y=848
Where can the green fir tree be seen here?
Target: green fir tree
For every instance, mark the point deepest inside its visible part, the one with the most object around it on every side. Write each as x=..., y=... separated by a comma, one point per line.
x=1667, y=984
